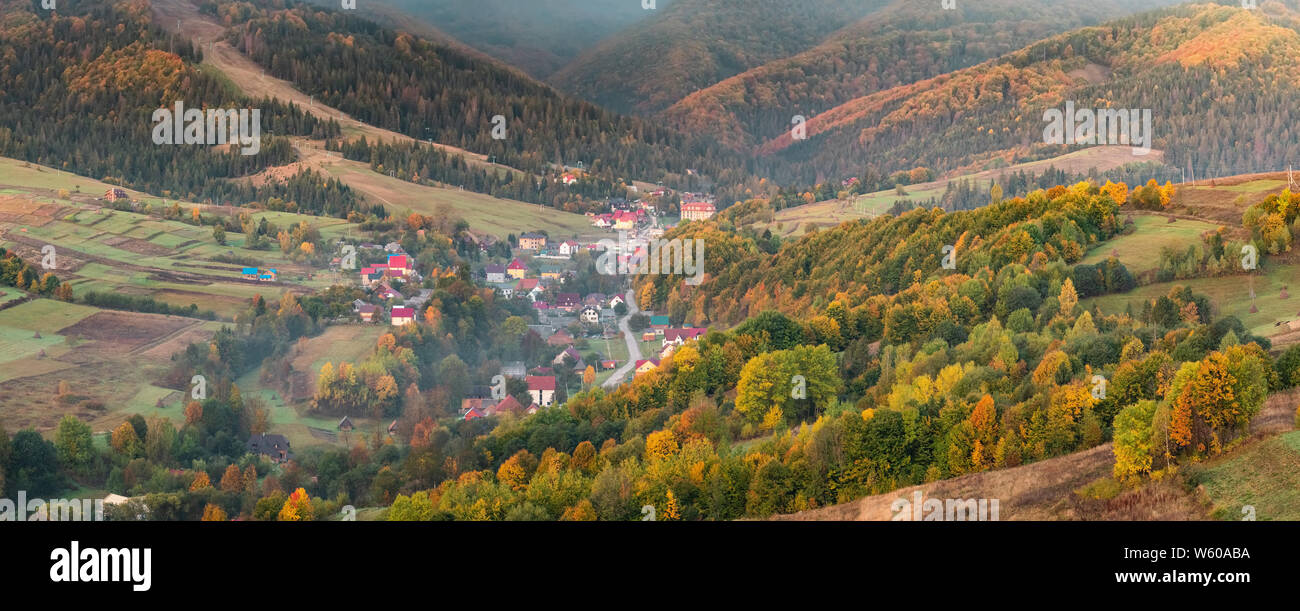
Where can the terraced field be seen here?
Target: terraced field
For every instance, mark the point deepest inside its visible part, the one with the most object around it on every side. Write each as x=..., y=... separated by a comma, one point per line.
x=106, y=250
x=109, y=359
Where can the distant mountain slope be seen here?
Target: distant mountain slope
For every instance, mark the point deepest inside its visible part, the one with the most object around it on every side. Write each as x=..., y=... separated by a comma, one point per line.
x=693, y=44
x=434, y=92
x=1209, y=73
x=538, y=36
x=902, y=43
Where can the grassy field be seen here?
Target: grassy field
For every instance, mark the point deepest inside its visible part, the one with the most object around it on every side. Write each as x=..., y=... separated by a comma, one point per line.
x=483, y=212
x=30, y=175
x=792, y=221
x=346, y=343
x=1264, y=475
x=1230, y=295
x=1140, y=251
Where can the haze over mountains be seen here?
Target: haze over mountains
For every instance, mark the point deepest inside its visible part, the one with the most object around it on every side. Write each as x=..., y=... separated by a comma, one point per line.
x=538, y=36
x=695, y=43
x=863, y=73
x=703, y=92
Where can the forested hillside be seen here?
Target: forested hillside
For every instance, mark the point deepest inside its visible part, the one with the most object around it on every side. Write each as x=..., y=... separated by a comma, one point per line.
x=693, y=44
x=1207, y=72
x=902, y=43
x=431, y=92
x=79, y=88
x=986, y=366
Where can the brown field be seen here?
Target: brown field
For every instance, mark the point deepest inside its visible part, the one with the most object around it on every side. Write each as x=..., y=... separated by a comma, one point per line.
x=123, y=332
x=26, y=211
x=1027, y=492
x=107, y=356
x=138, y=246
x=1224, y=200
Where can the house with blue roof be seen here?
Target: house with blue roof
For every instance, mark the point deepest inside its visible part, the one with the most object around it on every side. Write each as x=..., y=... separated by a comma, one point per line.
x=261, y=275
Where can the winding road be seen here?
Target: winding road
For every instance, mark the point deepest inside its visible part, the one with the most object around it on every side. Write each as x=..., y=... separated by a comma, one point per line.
x=633, y=348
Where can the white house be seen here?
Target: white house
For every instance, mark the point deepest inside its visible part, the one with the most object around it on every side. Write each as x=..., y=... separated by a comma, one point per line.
x=542, y=389
x=496, y=273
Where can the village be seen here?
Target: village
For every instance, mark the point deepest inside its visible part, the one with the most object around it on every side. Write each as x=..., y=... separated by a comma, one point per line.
x=586, y=333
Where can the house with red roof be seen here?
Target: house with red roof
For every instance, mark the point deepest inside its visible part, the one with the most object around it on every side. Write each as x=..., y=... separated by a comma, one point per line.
x=473, y=413
x=528, y=288
x=560, y=338
x=402, y=316
x=645, y=366
x=508, y=405
x=516, y=269
x=569, y=248
x=681, y=336
x=398, y=266
x=542, y=389
x=624, y=220
x=483, y=404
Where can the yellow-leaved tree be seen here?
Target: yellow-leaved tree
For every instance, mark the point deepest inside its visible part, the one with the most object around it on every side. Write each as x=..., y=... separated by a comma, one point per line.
x=297, y=508
x=213, y=513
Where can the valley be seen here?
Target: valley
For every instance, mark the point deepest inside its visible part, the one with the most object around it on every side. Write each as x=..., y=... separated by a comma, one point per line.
x=405, y=301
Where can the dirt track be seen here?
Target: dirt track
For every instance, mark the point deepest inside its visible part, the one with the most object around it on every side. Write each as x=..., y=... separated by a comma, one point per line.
x=204, y=30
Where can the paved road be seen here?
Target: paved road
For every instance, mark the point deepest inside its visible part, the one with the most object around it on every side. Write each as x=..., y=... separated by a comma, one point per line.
x=633, y=348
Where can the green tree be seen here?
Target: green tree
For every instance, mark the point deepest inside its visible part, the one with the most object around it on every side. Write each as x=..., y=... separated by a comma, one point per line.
x=1133, y=452
x=74, y=443
x=34, y=465
x=414, y=508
